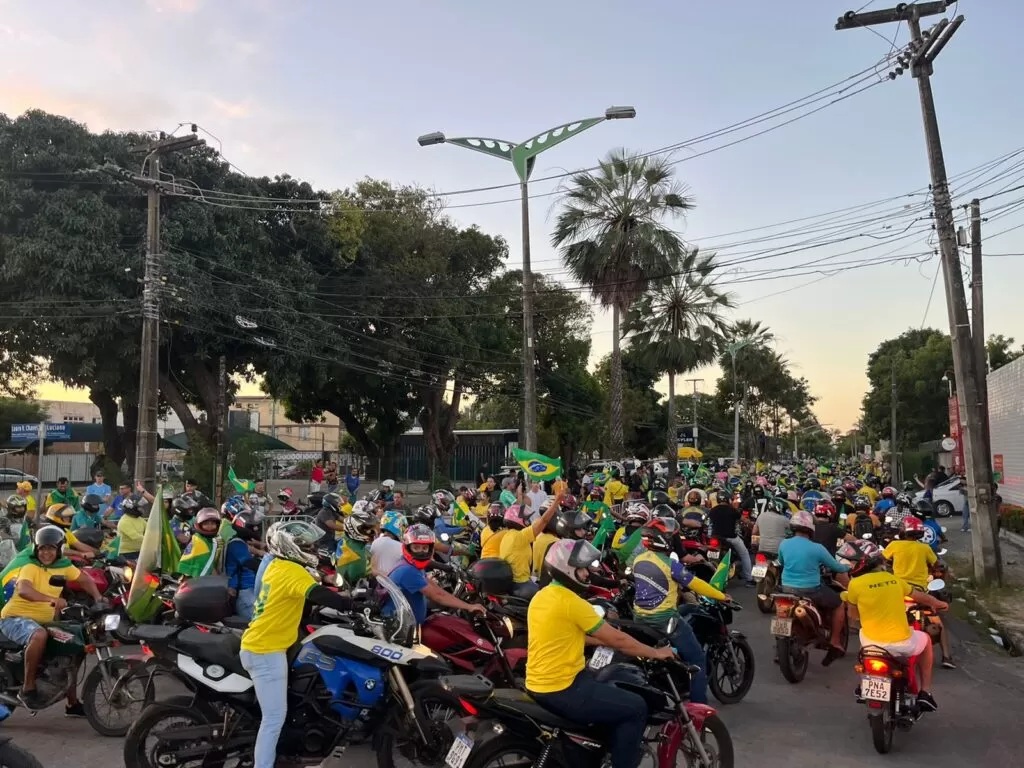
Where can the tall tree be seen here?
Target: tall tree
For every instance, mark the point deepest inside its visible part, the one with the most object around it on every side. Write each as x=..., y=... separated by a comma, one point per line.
x=679, y=326
x=614, y=235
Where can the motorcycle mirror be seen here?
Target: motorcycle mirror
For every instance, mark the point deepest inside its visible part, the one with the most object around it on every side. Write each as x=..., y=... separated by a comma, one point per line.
x=674, y=556
x=867, y=536
x=58, y=581
x=936, y=585
x=629, y=571
x=941, y=552
x=599, y=610
x=445, y=537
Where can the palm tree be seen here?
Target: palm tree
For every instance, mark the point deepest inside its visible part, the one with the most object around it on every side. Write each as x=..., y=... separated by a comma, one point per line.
x=678, y=325
x=613, y=236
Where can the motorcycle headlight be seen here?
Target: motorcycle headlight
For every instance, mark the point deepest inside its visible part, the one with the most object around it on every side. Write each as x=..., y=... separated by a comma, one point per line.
x=509, y=626
x=111, y=622
x=128, y=573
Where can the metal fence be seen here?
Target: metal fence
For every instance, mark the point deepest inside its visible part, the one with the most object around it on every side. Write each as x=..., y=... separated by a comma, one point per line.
x=269, y=520
x=74, y=466
x=412, y=463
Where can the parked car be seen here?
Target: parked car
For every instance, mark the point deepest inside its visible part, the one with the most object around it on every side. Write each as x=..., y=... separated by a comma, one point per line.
x=947, y=498
x=9, y=478
x=293, y=472
x=598, y=466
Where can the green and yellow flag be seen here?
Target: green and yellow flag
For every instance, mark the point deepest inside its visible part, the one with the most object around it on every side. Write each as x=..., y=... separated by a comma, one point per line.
x=160, y=553
x=242, y=486
x=537, y=466
x=721, y=578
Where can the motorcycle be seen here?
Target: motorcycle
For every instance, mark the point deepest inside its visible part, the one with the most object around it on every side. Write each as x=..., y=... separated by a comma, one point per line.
x=766, y=573
x=797, y=626
x=360, y=679
x=889, y=687
x=477, y=645
x=509, y=723
x=729, y=657
x=81, y=630
x=716, y=551
x=13, y=756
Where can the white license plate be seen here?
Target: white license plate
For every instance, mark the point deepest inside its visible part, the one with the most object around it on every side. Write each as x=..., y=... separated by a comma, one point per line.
x=459, y=752
x=602, y=657
x=782, y=627
x=712, y=554
x=759, y=571
x=875, y=688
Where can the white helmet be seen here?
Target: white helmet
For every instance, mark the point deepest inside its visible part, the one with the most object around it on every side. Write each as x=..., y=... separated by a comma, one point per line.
x=389, y=484
x=295, y=540
x=362, y=507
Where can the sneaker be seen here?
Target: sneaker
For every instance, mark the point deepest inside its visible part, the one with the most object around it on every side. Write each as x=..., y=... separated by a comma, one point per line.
x=750, y=583
x=30, y=699
x=947, y=663
x=833, y=655
x=74, y=710
x=926, y=703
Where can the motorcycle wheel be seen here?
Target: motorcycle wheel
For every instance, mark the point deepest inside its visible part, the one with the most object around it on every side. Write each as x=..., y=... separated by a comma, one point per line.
x=179, y=709
x=718, y=662
x=109, y=718
x=765, y=588
x=793, y=659
x=436, y=707
x=721, y=753
x=883, y=726
x=13, y=756
x=505, y=750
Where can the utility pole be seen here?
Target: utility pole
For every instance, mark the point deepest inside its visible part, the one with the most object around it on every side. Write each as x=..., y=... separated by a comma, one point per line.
x=222, y=428
x=924, y=49
x=149, y=368
x=529, y=435
x=978, y=314
x=695, y=394
x=893, y=463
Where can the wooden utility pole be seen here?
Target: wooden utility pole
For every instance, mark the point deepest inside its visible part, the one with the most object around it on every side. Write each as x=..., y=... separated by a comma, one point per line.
x=149, y=368
x=893, y=461
x=978, y=307
x=222, y=429
x=695, y=427
x=924, y=49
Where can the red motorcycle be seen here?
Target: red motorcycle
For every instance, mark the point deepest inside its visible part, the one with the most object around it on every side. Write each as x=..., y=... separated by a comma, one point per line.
x=477, y=646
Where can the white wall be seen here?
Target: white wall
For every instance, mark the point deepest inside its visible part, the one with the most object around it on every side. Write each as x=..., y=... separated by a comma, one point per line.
x=1006, y=422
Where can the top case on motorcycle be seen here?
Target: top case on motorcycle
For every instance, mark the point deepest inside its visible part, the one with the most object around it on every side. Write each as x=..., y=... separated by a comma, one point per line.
x=213, y=648
x=92, y=537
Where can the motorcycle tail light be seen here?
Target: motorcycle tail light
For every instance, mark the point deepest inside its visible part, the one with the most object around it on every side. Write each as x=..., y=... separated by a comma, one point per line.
x=876, y=666
x=713, y=543
x=468, y=708
x=761, y=559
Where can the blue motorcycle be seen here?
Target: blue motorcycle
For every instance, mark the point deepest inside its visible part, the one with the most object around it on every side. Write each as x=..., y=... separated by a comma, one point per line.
x=360, y=678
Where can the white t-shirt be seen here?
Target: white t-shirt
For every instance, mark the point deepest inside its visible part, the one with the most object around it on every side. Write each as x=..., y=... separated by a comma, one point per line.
x=538, y=501
x=385, y=554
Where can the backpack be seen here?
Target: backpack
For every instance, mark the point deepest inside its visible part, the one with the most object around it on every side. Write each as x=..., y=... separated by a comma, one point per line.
x=863, y=524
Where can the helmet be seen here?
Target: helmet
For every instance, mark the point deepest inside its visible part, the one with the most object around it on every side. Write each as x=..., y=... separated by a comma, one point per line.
x=839, y=496
x=514, y=517
x=758, y=491
x=657, y=534
x=362, y=507
x=569, y=501
x=92, y=503
x=663, y=510
x=637, y=513
x=908, y=487
x=425, y=515
x=695, y=498
x=813, y=484
x=185, y=506
x=659, y=484
x=923, y=509
x=360, y=525
x=133, y=505
x=60, y=514
x=597, y=493
x=861, y=503
x=861, y=555
x=49, y=536
x=659, y=498
x=284, y=495
x=778, y=505
x=793, y=496
x=388, y=485
x=571, y=524
x=294, y=541
x=245, y=526
x=566, y=557
x=911, y=527
x=207, y=515
x=418, y=545
x=333, y=502
x=16, y=506
x=802, y=521
x=903, y=500
x=826, y=509
x=394, y=523
x=233, y=506
x=442, y=499
x=888, y=492
x=469, y=494
x=849, y=486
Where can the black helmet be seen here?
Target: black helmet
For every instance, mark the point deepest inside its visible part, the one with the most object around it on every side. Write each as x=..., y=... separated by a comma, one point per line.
x=758, y=491
x=426, y=515
x=659, y=484
x=185, y=506
x=92, y=503
x=839, y=495
x=572, y=524
x=660, y=497
x=923, y=509
x=657, y=534
x=49, y=536
x=663, y=510
x=133, y=505
x=861, y=503
x=245, y=526
x=332, y=502
x=908, y=487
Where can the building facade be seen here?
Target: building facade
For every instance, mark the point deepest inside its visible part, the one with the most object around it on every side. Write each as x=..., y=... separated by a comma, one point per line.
x=262, y=413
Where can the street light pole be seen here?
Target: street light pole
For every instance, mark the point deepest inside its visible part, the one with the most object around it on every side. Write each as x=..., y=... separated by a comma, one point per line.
x=732, y=349
x=522, y=157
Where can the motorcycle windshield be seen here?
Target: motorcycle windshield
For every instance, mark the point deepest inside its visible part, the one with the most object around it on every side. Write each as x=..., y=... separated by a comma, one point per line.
x=399, y=625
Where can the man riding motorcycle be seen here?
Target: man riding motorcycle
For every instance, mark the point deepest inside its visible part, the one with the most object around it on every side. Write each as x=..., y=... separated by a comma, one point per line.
x=36, y=602
x=802, y=560
x=771, y=527
x=61, y=516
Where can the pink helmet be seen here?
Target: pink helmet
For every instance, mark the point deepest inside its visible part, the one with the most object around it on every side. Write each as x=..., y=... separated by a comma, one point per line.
x=514, y=517
x=762, y=480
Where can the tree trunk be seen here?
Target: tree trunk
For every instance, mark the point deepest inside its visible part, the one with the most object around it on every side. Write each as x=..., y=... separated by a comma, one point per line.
x=355, y=428
x=205, y=430
x=671, y=441
x=439, y=435
x=616, y=446
x=113, y=444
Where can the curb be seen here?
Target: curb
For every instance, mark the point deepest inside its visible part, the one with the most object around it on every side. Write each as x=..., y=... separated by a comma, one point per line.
x=1014, y=539
x=1011, y=630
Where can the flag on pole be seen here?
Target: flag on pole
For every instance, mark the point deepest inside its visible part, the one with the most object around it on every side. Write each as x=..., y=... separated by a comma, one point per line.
x=241, y=486
x=160, y=553
x=537, y=466
x=721, y=578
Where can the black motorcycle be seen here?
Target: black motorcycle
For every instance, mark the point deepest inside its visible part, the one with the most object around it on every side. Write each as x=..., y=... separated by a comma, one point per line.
x=730, y=659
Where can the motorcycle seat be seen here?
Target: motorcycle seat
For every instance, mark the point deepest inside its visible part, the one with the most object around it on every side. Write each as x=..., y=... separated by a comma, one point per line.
x=522, y=702
x=213, y=648
x=152, y=632
x=6, y=644
x=235, y=622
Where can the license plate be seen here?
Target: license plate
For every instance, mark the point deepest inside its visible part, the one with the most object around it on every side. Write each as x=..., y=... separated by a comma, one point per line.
x=875, y=688
x=759, y=571
x=459, y=752
x=602, y=657
x=712, y=554
x=782, y=627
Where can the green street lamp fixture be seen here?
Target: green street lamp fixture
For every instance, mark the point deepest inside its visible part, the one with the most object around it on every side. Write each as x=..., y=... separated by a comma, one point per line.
x=522, y=157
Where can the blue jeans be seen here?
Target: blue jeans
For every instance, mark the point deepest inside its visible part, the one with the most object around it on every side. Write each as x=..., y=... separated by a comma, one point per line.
x=244, y=603
x=587, y=701
x=689, y=649
x=269, y=673
x=965, y=525
x=525, y=589
x=740, y=550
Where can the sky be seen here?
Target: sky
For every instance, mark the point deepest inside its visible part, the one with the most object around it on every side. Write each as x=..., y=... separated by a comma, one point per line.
x=335, y=91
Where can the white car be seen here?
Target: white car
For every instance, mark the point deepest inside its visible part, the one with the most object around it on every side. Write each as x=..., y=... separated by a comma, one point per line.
x=947, y=497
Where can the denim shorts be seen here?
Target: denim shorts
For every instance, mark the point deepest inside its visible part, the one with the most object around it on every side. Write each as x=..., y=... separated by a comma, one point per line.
x=18, y=630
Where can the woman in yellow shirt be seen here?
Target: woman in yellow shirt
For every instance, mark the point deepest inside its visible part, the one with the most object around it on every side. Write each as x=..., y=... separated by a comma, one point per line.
x=282, y=591
x=515, y=544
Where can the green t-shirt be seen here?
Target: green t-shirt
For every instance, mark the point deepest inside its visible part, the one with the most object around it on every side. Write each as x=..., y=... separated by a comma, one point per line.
x=507, y=498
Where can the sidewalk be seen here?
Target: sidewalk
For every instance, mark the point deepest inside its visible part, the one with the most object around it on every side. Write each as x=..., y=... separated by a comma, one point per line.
x=999, y=607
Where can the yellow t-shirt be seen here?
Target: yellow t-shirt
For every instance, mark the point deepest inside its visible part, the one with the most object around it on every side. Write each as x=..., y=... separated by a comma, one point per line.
x=879, y=600
x=490, y=542
x=30, y=507
x=540, y=548
x=871, y=493
x=42, y=613
x=558, y=622
x=911, y=561
x=278, y=610
x=131, y=530
x=515, y=550
x=615, y=492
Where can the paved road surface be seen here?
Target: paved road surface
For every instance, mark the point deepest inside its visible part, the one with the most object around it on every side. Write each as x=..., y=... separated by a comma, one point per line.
x=779, y=725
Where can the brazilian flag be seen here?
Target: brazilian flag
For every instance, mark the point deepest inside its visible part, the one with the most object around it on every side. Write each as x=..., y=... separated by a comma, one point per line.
x=721, y=578
x=537, y=466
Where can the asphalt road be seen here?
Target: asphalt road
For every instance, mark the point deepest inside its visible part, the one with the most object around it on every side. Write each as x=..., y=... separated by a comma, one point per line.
x=778, y=725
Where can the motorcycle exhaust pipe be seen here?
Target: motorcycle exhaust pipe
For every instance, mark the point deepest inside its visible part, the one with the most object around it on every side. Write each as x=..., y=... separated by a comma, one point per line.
x=10, y=701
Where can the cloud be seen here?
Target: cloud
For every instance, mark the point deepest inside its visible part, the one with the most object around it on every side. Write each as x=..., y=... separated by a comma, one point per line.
x=99, y=112
x=234, y=110
x=173, y=6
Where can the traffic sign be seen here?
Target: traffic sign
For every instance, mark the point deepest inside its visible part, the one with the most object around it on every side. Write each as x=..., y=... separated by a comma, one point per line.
x=27, y=433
